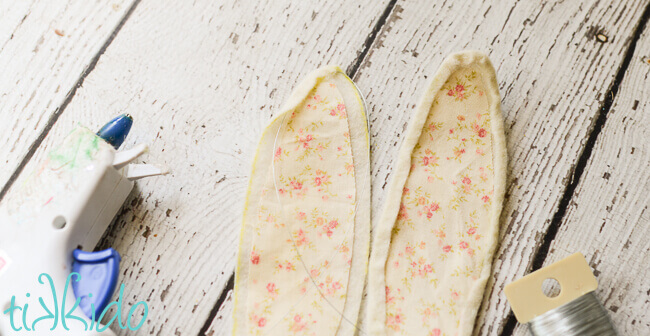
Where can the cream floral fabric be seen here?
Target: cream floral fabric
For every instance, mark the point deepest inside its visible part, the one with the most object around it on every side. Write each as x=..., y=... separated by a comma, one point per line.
x=442, y=213
x=299, y=230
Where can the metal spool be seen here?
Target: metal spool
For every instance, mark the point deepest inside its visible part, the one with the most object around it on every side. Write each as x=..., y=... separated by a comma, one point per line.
x=584, y=316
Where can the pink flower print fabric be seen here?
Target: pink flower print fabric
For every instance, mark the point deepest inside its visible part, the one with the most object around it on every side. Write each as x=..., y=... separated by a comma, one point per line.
x=441, y=222
x=299, y=237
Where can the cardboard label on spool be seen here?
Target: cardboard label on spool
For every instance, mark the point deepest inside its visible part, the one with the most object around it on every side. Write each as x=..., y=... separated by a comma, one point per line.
x=572, y=273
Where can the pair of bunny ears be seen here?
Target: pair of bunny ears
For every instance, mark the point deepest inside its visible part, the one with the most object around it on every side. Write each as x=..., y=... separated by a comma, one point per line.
x=305, y=258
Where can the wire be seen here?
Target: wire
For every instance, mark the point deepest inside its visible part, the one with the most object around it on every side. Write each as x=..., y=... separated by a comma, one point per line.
x=295, y=246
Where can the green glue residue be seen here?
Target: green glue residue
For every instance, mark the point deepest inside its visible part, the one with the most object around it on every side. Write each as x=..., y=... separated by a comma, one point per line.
x=61, y=173
x=80, y=148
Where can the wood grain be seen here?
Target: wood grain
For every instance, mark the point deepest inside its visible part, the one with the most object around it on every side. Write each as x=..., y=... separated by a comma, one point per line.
x=553, y=74
x=44, y=48
x=201, y=80
x=607, y=219
x=546, y=122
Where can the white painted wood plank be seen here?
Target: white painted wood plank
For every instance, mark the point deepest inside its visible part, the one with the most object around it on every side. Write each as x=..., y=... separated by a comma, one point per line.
x=608, y=219
x=202, y=80
x=223, y=321
x=546, y=122
x=44, y=48
x=553, y=74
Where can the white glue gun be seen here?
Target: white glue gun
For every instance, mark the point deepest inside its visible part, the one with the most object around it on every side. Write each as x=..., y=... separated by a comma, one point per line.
x=48, y=284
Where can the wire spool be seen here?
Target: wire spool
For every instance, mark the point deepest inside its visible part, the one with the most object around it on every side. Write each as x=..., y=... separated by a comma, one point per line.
x=574, y=311
x=584, y=316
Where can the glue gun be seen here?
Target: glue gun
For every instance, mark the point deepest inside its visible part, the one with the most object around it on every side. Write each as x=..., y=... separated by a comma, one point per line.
x=51, y=283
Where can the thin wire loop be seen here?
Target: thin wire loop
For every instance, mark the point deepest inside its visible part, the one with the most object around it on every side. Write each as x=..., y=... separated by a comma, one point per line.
x=293, y=242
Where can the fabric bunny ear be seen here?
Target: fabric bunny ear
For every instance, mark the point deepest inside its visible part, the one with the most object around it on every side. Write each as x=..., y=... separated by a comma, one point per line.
x=306, y=226
x=433, y=247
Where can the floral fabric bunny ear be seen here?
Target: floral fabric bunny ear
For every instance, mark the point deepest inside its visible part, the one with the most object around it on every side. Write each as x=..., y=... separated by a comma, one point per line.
x=432, y=252
x=306, y=226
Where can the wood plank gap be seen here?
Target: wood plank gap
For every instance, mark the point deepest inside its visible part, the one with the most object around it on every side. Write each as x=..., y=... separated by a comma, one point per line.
x=509, y=327
x=540, y=256
x=351, y=71
x=372, y=37
x=583, y=159
x=215, y=310
x=57, y=113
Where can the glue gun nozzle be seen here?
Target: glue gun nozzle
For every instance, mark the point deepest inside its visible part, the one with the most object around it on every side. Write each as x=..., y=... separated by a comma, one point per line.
x=116, y=130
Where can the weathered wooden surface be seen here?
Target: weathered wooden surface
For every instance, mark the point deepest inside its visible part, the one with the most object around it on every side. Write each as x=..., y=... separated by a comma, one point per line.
x=222, y=323
x=44, y=48
x=553, y=75
x=550, y=100
x=608, y=219
x=202, y=80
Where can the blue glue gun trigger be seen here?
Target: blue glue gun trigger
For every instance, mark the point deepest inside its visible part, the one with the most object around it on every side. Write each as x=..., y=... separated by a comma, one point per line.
x=99, y=272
